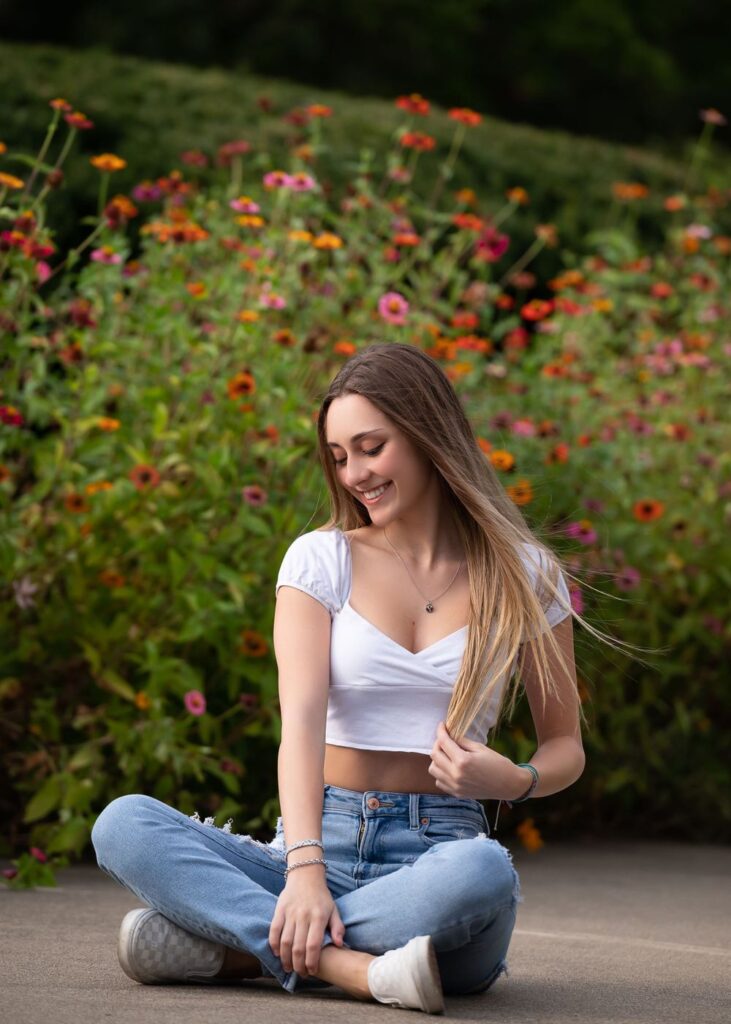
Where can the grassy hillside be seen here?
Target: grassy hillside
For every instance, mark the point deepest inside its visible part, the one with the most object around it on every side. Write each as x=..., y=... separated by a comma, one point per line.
x=148, y=112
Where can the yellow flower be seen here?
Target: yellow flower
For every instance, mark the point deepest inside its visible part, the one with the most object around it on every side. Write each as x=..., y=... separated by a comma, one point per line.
x=300, y=236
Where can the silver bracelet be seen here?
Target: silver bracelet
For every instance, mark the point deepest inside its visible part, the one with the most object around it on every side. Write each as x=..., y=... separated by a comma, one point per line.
x=303, y=842
x=300, y=864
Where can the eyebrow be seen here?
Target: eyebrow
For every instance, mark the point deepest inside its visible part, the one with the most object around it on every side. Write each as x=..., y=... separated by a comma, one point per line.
x=355, y=437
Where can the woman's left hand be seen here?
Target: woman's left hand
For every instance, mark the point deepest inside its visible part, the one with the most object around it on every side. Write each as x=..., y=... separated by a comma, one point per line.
x=469, y=769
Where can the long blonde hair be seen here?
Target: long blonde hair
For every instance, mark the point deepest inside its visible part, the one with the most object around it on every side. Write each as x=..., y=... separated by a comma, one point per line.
x=413, y=391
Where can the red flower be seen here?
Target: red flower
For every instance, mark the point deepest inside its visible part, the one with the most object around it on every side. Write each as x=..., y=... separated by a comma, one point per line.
x=413, y=104
x=418, y=140
x=465, y=116
x=144, y=477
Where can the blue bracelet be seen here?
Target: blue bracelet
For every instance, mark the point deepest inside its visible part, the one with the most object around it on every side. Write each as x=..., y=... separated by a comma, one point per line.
x=534, y=783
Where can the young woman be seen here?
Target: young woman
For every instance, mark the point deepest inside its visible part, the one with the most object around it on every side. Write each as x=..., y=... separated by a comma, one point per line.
x=398, y=628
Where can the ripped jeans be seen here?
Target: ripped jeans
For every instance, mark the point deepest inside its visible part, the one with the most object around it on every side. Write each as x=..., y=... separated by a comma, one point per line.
x=399, y=865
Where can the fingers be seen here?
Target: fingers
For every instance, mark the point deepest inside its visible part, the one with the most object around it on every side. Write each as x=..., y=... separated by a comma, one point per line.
x=337, y=928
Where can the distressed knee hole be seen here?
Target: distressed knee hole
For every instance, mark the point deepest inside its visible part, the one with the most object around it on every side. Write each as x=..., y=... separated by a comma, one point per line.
x=274, y=849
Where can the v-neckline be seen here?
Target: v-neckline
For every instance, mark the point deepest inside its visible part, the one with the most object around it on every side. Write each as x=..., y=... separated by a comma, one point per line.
x=385, y=636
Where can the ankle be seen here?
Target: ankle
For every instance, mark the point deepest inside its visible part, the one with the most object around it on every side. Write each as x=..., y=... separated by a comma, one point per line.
x=237, y=964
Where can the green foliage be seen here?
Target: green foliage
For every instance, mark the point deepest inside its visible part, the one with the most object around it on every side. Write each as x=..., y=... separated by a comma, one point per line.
x=157, y=456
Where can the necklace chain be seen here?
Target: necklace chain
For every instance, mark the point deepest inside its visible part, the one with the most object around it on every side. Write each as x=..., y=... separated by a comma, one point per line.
x=429, y=603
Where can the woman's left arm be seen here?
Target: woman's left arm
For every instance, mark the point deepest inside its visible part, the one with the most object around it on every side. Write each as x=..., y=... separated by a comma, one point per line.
x=560, y=757
x=470, y=769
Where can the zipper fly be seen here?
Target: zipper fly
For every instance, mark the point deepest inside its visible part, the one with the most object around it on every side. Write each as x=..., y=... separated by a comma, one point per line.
x=361, y=830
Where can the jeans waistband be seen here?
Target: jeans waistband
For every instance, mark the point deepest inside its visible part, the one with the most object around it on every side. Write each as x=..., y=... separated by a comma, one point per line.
x=373, y=803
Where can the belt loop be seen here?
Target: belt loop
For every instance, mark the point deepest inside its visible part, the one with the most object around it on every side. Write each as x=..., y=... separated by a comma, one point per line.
x=413, y=811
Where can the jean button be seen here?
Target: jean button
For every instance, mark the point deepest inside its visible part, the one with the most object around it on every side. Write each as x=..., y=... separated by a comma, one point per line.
x=373, y=802
x=424, y=821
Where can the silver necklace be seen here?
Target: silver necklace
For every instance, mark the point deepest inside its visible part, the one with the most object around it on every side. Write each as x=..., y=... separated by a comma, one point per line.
x=429, y=604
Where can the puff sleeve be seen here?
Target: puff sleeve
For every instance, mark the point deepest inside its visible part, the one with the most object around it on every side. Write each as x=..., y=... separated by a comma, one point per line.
x=309, y=565
x=556, y=611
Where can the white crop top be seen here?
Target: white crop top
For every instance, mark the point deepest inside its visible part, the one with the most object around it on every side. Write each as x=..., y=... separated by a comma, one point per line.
x=383, y=696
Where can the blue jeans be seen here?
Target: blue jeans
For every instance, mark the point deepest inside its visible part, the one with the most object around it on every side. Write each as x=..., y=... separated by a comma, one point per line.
x=399, y=865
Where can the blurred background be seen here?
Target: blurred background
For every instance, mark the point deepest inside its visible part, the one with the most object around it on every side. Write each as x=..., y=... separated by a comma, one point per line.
x=634, y=71
x=545, y=189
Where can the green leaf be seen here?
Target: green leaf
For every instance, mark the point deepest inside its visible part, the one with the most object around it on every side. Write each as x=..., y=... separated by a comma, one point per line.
x=109, y=680
x=45, y=800
x=160, y=419
x=29, y=161
x=71, y=837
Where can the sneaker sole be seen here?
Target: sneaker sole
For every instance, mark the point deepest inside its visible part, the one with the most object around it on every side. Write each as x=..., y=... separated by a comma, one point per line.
x=128, y=929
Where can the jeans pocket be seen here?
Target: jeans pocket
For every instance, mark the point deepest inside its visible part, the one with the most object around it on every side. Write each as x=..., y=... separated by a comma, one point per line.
x=440, y=829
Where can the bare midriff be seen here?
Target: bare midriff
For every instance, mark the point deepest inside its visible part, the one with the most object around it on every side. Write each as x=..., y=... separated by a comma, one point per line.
x=390, y=771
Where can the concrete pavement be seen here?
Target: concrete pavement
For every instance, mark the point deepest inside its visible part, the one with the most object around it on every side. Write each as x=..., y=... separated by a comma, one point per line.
x=616, y=932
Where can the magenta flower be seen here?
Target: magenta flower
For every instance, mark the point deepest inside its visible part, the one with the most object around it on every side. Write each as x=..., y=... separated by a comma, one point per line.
x=393, y=307
x=277, y=179
x=491, y=245
x=146, y=192
x=244, y=204
x=301, y=182
x=627, y=578
x=43, y=271
x=38, y=854
x=195, y=702
x=106, y=255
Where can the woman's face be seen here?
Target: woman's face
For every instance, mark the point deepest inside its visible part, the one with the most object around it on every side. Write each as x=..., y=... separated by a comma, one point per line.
x=383, y=455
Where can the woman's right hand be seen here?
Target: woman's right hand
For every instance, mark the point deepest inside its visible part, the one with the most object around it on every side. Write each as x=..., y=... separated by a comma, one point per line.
x=304, y=910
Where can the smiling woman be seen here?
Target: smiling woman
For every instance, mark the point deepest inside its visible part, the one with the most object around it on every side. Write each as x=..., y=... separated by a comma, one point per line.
x=400, y=625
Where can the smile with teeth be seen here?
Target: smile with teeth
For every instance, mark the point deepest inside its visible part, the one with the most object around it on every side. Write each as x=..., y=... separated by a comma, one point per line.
x=371, y=496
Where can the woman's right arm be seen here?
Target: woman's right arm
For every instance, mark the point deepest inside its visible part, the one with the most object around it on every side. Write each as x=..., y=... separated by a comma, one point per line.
x=305, y=907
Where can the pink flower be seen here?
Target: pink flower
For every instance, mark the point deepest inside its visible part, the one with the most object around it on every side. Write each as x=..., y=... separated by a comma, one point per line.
x=195, y=702
x=491, y=245
x=272, y=301
x=393, y=307
x=43, y=271
x=146, y=192
x=38, y=854
x=106, y=255
x=244, y=205
x=277, y=179
x=302, y=182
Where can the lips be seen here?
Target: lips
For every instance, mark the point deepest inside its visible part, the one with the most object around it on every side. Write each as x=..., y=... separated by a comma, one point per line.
x=372, y=501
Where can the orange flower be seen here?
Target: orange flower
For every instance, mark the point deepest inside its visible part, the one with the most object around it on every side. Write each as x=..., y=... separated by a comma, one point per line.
x=521, y=493
x=629, y=190
x=300, y=236
x=328, y=240
x=466, y=195
x=530, y=837
x=60, y=104
x=142, y=701
x=418, y=140
x=76, y=503
x=108, y=162
x=413, y=104
x=10, y=181
x=144, y=477
x=518, y=195
x=537, y=309
x=3, y=148
x=250, y=220
x=99, y=485
x=248, y=316
x=647, y=510
x=106, y=423
x=111, y=579
x=675, y=203
x=285, y=338
x=253, y=644
x=344, y=348
x=319, y=110
x=240, y=385
x=465, y=116
x=468, y=222
x=197, y=289
x=558, y=453
x=501, y=459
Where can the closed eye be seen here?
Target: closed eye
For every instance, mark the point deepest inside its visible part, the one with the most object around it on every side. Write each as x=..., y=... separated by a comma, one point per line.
x=374, y=451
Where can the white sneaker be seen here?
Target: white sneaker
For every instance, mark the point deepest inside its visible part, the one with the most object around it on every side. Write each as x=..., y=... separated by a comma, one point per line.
x=408, y=977
x=152, y=949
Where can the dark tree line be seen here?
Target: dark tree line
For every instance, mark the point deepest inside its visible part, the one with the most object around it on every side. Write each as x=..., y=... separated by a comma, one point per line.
x=631, y=70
